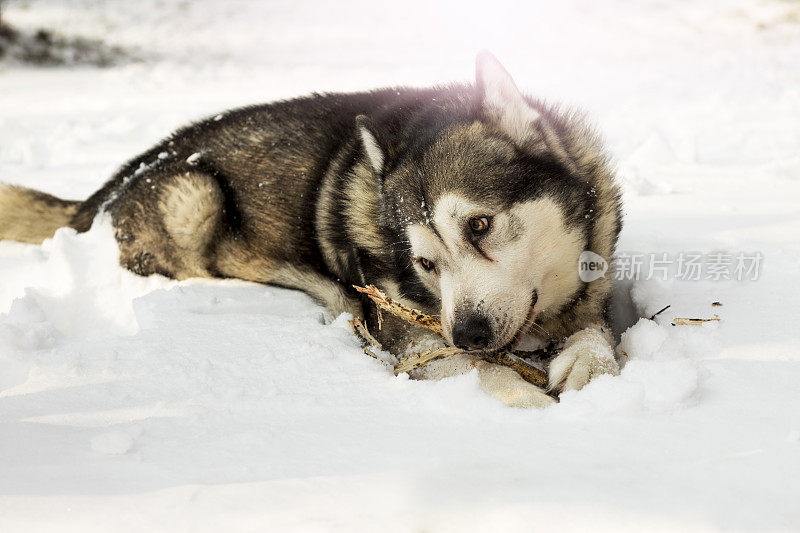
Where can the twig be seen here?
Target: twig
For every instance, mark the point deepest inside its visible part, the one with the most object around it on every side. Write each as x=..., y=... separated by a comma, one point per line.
x=515, y=361
x=369, y=342
x=410, y=362
x=659, y=312
x=694, y=321
x=362, y=331
x=396, y=308
x=529, y=373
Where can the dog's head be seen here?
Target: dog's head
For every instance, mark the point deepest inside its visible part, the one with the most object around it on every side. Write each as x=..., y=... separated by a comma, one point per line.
x=491, y=208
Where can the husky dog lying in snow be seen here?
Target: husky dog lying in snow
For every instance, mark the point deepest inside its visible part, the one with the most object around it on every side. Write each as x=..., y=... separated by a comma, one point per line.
x=472, y=202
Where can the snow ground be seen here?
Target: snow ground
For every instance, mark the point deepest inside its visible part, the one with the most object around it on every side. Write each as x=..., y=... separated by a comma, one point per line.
x=130, y=403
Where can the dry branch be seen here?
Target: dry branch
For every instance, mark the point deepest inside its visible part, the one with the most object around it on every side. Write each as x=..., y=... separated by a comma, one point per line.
x=694, y=321
x=659, y=312
x=528, y=372
x=362, y=331
x=410, y=362
x=367, y=339
x=396, y=308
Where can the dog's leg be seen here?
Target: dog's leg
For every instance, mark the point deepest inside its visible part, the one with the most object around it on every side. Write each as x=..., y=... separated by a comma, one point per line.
x=328, y=292
x=190, y=205
x=507, y=386
x=497, y=381
x=235, y=259
x=586, y=354
x=166, y=223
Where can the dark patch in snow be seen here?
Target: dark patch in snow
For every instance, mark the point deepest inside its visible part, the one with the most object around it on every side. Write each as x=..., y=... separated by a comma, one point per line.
x=47, y=48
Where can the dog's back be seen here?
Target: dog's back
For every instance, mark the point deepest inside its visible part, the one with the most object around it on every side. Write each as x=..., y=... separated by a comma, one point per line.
x=234, y=195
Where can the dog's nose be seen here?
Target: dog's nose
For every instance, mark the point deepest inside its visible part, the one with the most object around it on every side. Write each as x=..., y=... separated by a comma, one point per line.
x=472, y=333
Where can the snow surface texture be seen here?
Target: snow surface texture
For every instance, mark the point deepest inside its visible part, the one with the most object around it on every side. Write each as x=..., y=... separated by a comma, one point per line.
x=128, y=403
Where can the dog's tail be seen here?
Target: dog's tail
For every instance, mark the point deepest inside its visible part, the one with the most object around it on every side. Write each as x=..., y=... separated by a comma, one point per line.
x=32, y=216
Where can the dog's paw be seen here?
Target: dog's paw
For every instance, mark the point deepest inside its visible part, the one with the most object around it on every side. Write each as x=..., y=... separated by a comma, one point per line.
x=586, y=355
x=497, y=381
x=507, y=386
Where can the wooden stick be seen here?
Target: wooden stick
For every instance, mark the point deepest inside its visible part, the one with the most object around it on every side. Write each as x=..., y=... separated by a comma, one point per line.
x=396, y=308
x=659, y=312
x=369, y=342
x=528, y=372
x=410, y=362
x=693, y=321
x=362, y=331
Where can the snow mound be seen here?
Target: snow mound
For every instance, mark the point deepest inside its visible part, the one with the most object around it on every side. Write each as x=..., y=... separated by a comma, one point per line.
x=74, y=282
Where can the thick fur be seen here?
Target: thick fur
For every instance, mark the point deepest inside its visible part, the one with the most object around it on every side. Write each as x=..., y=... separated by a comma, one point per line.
x=323, y=192
x=32, y=216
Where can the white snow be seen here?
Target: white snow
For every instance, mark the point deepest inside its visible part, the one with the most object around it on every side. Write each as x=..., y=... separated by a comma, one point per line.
x=112, y=443
x=139, y=404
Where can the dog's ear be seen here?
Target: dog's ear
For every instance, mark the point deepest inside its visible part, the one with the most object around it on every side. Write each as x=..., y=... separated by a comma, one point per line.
x=371, y=144
x=502, y=103
x=376, y=148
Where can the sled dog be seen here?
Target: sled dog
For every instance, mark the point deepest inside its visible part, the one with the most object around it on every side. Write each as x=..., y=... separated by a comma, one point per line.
x=468, y=201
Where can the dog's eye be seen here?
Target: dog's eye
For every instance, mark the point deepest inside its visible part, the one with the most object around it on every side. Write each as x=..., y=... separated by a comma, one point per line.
x=479, y=225
x=426, y=264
